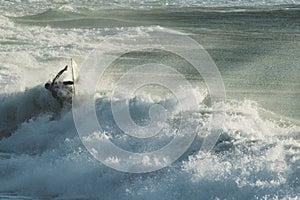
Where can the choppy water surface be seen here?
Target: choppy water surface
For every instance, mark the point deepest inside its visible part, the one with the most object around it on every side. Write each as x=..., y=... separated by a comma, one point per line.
x=256, y=48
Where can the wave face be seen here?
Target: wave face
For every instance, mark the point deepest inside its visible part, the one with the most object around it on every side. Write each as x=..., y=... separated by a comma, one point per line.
x=254, y=157
x=255, y=45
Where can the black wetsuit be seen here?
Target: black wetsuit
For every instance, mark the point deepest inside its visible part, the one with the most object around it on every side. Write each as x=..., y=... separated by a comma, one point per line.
x=55, y=86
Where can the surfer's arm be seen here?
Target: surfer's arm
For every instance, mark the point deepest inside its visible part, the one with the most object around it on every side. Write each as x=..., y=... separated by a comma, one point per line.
x=68, y=83
x=59, y=74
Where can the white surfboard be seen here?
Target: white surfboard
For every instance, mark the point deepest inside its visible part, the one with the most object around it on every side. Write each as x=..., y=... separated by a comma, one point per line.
x=75, y=74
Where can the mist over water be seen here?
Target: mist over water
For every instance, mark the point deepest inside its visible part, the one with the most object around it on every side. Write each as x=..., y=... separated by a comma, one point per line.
x=255, y=45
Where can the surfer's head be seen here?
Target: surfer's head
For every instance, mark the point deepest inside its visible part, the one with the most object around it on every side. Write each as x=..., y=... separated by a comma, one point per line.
x=47, y=86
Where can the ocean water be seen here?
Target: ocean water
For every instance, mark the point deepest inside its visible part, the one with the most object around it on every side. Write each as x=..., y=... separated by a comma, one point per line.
x=256, y=47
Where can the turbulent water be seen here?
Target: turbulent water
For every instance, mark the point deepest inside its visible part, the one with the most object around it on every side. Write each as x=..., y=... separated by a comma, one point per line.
x=256, y=47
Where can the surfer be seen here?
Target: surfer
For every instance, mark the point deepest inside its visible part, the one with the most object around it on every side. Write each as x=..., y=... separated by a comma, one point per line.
x=55, y=87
